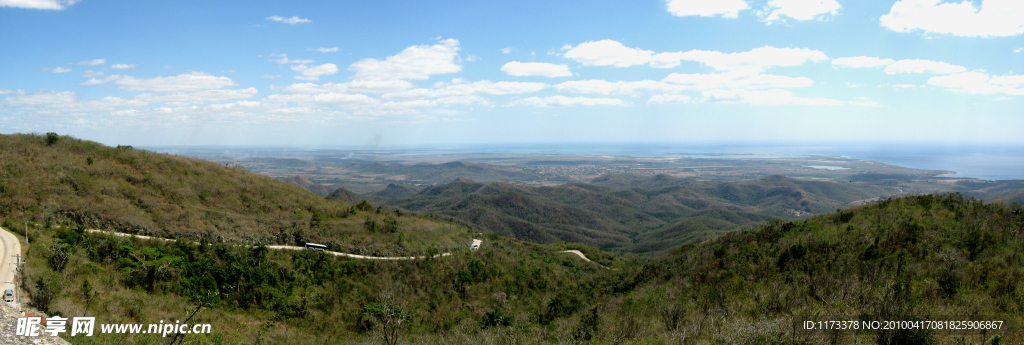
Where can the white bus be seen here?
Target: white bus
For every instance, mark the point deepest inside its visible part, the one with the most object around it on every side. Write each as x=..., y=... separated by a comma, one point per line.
x=315, y=246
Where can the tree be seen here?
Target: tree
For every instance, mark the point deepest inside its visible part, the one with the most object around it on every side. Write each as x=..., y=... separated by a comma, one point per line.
x=52, y=138
x=388, y=317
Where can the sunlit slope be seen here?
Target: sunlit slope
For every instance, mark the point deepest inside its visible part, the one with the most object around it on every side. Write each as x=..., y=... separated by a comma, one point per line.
x=65, y=180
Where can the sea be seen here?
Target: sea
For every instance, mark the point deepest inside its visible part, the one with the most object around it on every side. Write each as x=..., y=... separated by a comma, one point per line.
x=985, y=161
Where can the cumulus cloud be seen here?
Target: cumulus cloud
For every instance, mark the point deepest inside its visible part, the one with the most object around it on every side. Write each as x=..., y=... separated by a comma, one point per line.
x=38, y=4
x=798, y=9
x=922, y=66
x=285, y=60
x=413, y=63
x=980, y=83
x=704, y=8
x=185, y=82
x=541, y=69
x=861, y=62
x=1018, y=50
x=122, y=66
x=6, y=91
x=563, y=101
x=314, y=72
x=57, y=69
x=90, y=62
x=292, y=20
x=991, y=18
x=763, y=97
x=326, y=50
x=613, y=53
x=506, y=50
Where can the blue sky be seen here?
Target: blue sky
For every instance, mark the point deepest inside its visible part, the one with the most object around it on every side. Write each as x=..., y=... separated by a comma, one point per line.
x=331, y=73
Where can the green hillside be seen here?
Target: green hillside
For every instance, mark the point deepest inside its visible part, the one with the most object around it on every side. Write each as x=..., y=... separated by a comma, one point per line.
x=54, y=180
x=625, y=212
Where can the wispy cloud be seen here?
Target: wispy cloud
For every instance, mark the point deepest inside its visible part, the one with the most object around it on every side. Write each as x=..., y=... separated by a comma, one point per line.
x=57, y=69
x=90, y=62
x=122, y=66
x=326, y=50
x=38, y=4
x=292, y=20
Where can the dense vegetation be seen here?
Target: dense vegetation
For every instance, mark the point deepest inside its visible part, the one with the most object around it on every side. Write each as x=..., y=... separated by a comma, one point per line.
x=62, y=180
x=947, y=257
x=625, y=212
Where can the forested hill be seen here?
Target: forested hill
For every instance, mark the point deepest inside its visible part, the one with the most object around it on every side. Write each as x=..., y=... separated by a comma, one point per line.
x=53, y=179
x=913, y=258
x=625, y=212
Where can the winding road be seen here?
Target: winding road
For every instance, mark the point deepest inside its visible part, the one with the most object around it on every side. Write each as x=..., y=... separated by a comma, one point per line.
x=278, y=247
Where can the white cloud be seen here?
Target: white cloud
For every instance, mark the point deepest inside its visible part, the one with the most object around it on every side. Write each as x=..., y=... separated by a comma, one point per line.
x=798, y=9
x=472, y=58
x=563, y=101
x=669, y=99
x=744, y=79
x=122, y=66
x=326, y=50
x=922, y=66
x=604, y=87
x=705, y=8
x=178, y=99
x=314, y=72
x=861, y=62
x=992, y=18
x=90, y=62
x=542, y=69
x=763, y=97
x=757, y=58
x=92, y=74
x=460, y=87
x=413, y=63
x=185, y=82
x=506, y=50
x=43, y=97
x=1018, y=50
x=612, y=53
x=285, y=60
x=6, y=91
x=359, y=86
x=271, y=76
x=97, y=80
x=292, y=20
x=980, y=83
x=57, y=69
x=38, y=4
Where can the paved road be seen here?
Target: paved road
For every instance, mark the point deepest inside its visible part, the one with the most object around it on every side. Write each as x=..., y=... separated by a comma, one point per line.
x=354, y=256
x=9, y=245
